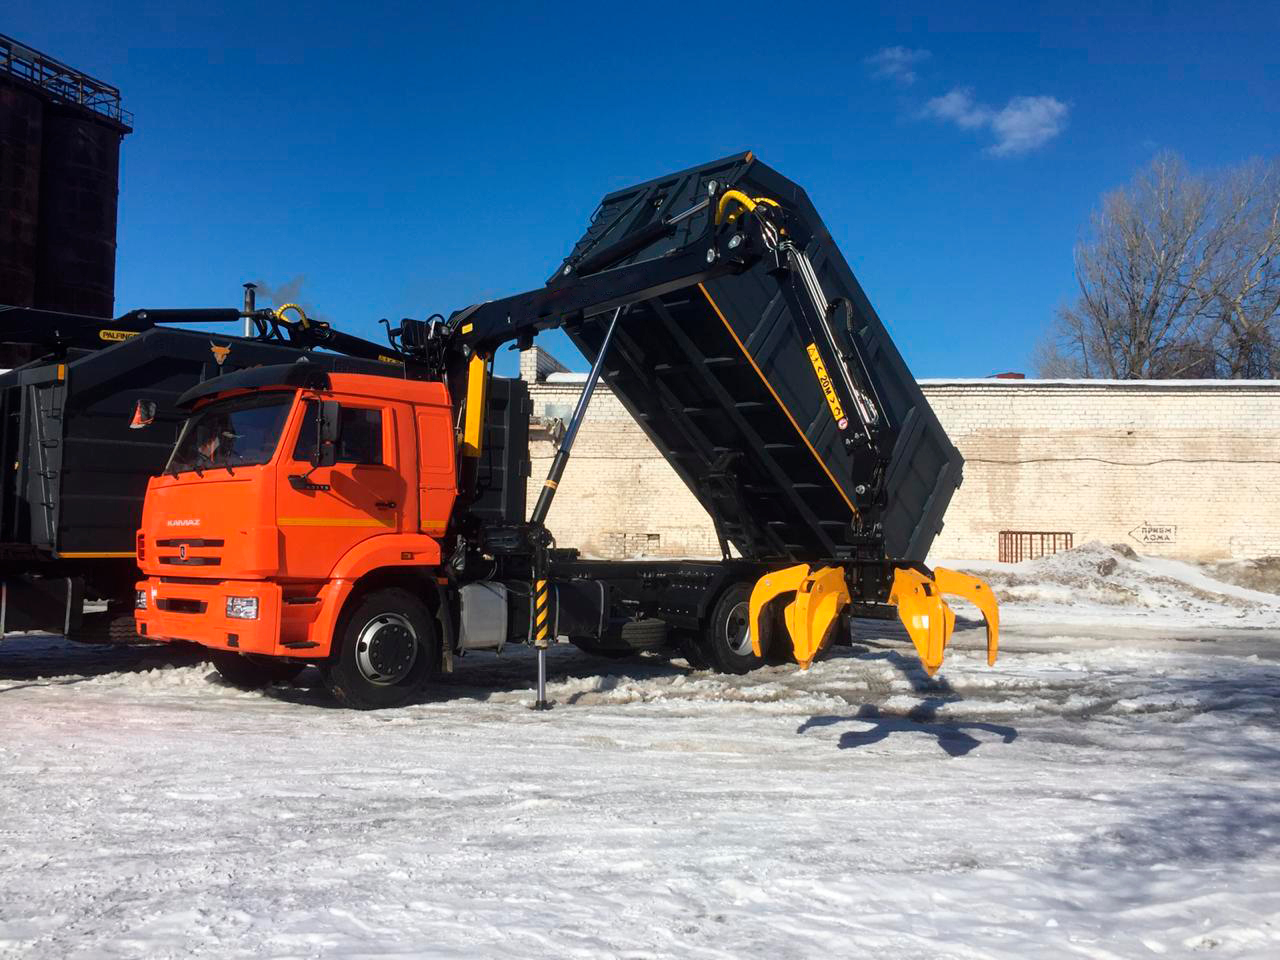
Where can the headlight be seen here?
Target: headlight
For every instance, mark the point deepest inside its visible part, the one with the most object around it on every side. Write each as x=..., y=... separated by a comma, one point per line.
x=140, y=601
x=242, y=608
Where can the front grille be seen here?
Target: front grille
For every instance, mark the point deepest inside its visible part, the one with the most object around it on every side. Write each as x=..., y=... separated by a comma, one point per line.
x=192, y=561
x=190, y=542
x=180, y=605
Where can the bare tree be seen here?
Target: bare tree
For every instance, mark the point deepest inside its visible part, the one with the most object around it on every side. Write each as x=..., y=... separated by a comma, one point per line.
x=1246, y=305
x=1179, y=276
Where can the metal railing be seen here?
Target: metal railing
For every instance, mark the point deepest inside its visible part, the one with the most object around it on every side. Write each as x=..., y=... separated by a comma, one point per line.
x=1019, y=545
x=62, y=82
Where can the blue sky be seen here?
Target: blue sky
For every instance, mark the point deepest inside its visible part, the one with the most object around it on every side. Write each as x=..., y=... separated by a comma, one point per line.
x=401, y=159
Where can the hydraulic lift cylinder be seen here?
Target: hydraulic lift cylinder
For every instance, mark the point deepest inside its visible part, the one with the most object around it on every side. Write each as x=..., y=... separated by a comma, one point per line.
x=548, y=493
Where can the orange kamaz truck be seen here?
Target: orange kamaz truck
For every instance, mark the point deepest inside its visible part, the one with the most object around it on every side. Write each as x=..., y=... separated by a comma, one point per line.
x=376, y=525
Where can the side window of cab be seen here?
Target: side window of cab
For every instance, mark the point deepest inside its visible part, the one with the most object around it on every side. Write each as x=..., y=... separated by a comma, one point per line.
x=360, y=442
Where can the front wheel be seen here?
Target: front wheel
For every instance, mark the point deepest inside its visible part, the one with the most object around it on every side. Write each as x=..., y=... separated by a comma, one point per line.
x=384, y=650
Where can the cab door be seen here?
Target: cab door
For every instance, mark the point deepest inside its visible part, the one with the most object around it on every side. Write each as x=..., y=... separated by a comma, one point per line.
x=362, y=495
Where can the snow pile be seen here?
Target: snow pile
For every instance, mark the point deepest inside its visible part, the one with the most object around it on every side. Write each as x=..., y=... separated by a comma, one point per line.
x=1256, y=573
x=1097, y=583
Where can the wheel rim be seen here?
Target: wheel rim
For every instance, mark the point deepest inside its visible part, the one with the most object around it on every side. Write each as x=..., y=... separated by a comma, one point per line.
x=737, y=629
x=386, y=649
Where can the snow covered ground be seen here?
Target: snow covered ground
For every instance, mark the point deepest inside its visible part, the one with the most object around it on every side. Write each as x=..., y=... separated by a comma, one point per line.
x=1109, y=789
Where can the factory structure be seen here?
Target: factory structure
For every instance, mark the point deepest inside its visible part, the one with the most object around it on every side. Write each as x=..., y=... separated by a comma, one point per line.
x=60, y=135
x=1177, y=468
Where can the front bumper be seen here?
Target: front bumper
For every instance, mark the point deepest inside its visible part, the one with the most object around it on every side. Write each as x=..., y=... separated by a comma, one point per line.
x=196, y=612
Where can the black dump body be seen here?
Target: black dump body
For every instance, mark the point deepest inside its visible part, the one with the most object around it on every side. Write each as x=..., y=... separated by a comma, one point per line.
x=719, y=378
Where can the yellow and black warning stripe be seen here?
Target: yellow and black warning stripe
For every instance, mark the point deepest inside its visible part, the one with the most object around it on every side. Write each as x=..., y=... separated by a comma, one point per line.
x=541, y=613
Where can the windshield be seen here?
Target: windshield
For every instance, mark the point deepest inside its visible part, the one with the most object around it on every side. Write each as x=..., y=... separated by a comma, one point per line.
x=241, y=431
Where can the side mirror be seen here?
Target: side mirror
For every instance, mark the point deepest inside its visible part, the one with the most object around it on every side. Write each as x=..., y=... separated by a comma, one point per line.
x=144, y=414
x=328, y=433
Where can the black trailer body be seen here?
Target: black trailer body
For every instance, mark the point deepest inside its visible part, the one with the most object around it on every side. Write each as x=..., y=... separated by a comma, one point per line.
x=75, y=473
x=721, y=377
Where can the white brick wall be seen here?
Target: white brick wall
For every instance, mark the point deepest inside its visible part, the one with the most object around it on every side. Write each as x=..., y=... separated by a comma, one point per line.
x=1100, y=460
x=1097, y=460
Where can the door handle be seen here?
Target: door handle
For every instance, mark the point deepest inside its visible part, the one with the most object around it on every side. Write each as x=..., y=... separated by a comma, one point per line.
x=385, y=504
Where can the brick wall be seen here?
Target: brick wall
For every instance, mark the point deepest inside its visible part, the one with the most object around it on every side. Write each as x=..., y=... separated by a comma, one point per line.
x=1103, y=460
x=1189, y=467
x=618, y=497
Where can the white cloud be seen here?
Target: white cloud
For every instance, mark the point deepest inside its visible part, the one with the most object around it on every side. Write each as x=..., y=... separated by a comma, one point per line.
x=1022, y=124
x=960, y=108
x=1028, y=122
x=897, y=63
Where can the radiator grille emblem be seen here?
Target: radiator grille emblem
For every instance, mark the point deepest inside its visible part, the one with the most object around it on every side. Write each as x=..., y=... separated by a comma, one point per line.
x=182, y=551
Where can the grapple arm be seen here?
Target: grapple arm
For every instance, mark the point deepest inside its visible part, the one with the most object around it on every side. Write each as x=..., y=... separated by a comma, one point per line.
x=818, y=595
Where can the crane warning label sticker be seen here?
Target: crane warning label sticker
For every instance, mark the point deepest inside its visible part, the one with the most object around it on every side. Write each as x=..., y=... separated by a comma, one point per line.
x=1155, y=533
x=828, y=390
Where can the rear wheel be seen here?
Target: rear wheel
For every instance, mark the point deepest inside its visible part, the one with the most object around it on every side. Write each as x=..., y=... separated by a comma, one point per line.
x=726, y=640
x=688, y=644
x=249, y=672
x=384, y=650
x=105, y=626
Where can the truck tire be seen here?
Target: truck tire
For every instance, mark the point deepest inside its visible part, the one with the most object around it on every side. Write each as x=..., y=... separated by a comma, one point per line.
x=105, y=627
x=252, y=673
x=689, y=645
x=726, y=640
x=385, y=647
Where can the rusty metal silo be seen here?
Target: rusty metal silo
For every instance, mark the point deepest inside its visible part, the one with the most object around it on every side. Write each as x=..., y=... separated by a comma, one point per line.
x=60, y=133
x=79, y=189
x=20, y=131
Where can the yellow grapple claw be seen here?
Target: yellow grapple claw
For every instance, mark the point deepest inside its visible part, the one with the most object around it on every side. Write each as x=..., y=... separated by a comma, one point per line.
x=923, y=612
x=928, y=619
x=767, y=589
x=977, y=592
x=820, y=596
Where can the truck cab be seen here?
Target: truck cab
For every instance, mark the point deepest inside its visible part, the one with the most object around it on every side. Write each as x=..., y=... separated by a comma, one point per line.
x=287, y=487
